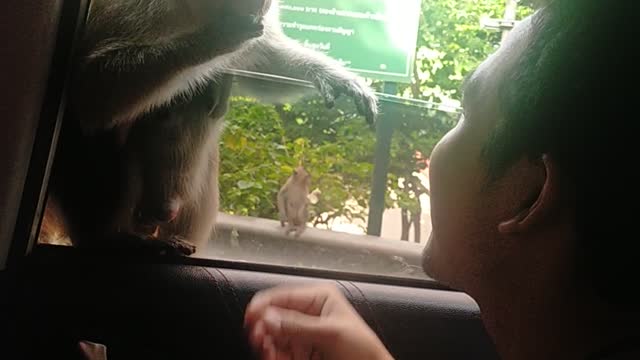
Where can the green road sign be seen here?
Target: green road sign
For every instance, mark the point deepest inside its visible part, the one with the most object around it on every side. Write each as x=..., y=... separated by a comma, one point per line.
x=376, y=38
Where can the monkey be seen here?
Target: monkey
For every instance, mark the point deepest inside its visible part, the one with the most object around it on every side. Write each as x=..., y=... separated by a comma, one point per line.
x=173, y=156
x=144, y=54
x=186, y=146
x=138, y=156
x=163, y=177
x=293, y=202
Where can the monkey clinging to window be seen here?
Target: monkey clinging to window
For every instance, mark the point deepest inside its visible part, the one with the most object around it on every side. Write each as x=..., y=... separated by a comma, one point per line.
x=137, y=161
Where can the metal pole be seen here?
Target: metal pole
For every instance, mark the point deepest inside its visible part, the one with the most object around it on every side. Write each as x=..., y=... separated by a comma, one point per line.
x=384, y=134
x=510, y=12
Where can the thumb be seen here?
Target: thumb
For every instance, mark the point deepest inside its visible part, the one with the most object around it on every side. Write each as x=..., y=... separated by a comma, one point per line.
x=298, y=327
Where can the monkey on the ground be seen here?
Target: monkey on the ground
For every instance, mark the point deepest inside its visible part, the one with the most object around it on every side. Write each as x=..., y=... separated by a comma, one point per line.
x=137, y=161
x=293, y=202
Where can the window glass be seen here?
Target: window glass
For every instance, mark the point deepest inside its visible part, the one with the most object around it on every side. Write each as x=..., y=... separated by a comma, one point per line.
x=368, y=195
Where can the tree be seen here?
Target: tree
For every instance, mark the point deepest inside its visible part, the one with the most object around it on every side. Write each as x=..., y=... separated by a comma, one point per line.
x=450, y=45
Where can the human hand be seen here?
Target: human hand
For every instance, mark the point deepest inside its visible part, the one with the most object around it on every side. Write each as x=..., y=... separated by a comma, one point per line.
x=309, y=322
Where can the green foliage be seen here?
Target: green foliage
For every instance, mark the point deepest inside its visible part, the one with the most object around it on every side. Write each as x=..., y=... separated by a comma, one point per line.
x=451, y=43
x=253, y=154
x=262, y=143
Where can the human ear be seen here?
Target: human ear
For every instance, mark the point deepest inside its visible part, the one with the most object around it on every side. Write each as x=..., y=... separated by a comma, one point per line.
x=533, y=213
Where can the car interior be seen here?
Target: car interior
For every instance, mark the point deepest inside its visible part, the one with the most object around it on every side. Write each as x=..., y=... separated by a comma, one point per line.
x=52, y=297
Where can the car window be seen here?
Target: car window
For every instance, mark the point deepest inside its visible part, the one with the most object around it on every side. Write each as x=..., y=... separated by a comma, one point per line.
x=365, y=207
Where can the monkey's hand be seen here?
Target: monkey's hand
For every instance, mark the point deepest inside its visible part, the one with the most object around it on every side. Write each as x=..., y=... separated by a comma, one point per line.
x=170, y=246
x=178, y=245
x=130, y=244
x=364, y=98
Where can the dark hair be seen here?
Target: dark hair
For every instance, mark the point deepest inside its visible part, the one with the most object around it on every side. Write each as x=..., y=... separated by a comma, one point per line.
x=571, y=96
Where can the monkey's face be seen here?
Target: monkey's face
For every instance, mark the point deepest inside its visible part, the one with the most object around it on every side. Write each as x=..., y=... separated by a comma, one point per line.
x=301, y=175
x=163, y=156
x=162, y=211
x=157, y=198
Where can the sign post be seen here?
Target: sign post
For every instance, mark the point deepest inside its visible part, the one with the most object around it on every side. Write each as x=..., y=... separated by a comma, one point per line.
x=376, y=39
x=384, y=134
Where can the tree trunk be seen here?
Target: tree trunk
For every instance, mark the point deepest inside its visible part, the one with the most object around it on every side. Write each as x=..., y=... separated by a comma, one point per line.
x=415, y=85
x=417, y=224
x=406, y=225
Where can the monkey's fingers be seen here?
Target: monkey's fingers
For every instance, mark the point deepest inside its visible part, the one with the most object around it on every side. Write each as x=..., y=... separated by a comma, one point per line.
x=327, y=92
x=362, y=109
x=130, y=244
x=366, y=107
x=370, y=105
x=364, y=99
x=180, y=245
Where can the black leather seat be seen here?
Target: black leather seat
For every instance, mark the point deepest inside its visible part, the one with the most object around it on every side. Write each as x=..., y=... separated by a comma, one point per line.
x=142, y=310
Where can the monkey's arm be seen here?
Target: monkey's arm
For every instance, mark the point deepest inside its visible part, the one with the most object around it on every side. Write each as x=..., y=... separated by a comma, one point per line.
x=122, y=77
x=279, y=55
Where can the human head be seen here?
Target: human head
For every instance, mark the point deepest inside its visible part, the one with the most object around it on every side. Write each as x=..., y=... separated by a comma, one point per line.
x=533, y=184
